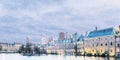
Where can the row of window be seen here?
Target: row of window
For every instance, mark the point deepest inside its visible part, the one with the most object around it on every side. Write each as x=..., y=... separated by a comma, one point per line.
x=102, y=50
x=106, y=44
x=100, y=39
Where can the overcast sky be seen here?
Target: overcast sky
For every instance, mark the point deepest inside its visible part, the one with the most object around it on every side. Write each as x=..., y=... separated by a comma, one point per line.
x=21, y=18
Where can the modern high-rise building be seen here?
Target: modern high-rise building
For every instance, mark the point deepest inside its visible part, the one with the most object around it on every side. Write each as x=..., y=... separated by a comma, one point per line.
x=61, y=36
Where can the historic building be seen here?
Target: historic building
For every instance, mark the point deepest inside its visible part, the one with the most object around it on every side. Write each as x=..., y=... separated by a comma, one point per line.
x=97, y=42
x=3, y=46
x=80, y=45
x=11, y=47
x=65, y=46
x=102, y=42
x=62, y=47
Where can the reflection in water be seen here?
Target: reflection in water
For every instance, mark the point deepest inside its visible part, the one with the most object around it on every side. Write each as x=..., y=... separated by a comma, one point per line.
x=50, y=57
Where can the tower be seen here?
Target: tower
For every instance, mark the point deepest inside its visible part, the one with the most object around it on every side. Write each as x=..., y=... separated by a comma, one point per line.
x=28, y=39
x=61, y=36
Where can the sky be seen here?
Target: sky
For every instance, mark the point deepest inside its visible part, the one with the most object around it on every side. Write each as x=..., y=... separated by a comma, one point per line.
x=22, y=18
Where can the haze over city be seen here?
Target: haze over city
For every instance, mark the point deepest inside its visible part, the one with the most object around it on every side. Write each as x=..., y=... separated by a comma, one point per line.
x=22, y=18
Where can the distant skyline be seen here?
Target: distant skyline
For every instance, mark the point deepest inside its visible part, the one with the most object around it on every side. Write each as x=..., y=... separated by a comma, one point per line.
x=22, y=18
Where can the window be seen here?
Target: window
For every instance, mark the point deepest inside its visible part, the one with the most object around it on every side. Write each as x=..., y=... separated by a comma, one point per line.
x=118, y=45
x=97, y=44
x=111, y=51
x=106, y=44
x=93, y=45
x=111, y=43
x=101, y=44
x=111, y=38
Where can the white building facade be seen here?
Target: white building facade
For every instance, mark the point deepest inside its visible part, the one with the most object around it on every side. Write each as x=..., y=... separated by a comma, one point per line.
x=102, y=41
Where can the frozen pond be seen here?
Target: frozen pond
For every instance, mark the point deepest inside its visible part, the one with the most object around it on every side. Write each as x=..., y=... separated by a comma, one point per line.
x=49, y=57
